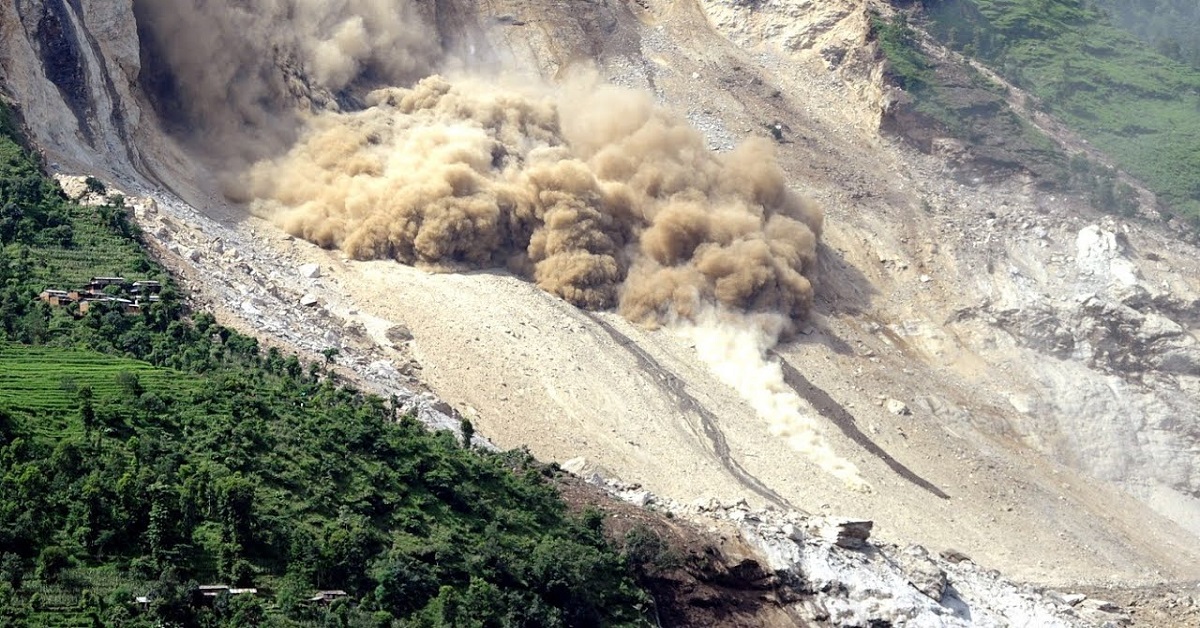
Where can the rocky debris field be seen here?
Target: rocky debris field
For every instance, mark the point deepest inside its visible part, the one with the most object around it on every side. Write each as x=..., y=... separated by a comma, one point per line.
x=828, y=571
x=236, y=275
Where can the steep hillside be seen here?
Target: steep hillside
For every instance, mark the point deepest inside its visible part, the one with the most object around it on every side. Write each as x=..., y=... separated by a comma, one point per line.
x=1172, y=27
x=1130, y=101
x=1011, y=371
x=143, y=452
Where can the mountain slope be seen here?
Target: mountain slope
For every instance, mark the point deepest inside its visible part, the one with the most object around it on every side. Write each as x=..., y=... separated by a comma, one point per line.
x=996, y=311
x=1133, y=103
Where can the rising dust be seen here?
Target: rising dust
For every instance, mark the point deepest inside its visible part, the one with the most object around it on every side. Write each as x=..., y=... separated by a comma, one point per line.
x=589, y=190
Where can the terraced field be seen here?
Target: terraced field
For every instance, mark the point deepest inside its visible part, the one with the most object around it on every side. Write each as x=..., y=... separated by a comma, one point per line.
x=43, y=380
x=95, y=252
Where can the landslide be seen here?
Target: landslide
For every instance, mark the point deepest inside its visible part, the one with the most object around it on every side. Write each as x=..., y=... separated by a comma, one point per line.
x=933, y=293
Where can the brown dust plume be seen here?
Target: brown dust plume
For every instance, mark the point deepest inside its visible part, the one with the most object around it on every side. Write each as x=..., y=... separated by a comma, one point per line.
x=591, y=191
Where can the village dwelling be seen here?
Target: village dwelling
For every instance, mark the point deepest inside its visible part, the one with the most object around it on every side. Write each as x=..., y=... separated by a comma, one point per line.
x=127, y=306
x=58, y=297
x=94, y=292
x=326, y=597
x=145, y=287
x=211, y=591
x=98, y=284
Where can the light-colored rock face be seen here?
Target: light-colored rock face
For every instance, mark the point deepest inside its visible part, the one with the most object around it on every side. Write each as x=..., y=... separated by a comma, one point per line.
x=71, y=73
x=988, y=356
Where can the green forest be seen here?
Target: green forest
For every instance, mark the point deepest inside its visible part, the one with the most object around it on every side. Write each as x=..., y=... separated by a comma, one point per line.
x=1102, y=67
x=145, y=455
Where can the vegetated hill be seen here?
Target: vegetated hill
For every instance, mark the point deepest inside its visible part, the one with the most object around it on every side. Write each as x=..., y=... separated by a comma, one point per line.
x=1132, y=102
x=1172, y=27
x=934, y=294
x=144, y=454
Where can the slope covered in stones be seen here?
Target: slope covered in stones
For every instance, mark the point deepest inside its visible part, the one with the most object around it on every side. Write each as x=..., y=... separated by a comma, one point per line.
x=1044, y=351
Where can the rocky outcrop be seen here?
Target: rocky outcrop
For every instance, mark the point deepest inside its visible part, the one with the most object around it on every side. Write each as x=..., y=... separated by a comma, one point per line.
x=69, y=67
x=827, y=572
x=1120, y=361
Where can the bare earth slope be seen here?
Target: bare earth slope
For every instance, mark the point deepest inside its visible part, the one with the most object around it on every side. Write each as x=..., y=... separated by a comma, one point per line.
x=1045, y=358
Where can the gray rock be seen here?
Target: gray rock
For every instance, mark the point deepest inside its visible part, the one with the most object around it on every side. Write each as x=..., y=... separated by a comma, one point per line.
x=897, y=407
x=1102, y=613
x=955, y=556
x=640, y=498
x=309, y=300
x=922, y=572
x=847, y=533
x=1092, y=604
x=310, y=271
x=398, y=334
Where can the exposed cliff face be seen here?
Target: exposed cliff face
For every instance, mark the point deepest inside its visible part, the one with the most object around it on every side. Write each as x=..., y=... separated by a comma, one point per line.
x=1047, y=358
x=70, y=65
x=1085, y=332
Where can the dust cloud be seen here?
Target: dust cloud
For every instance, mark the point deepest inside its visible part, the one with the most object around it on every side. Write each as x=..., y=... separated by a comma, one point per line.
x=231, y=76
x=735, y=347
x=593, y=192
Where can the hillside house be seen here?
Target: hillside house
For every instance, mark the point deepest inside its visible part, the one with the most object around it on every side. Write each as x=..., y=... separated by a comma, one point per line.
x=127, y=306
x=140, y=291
x=326, y=597
x=97, y=284
x=145, y=287
x=211, y=591
x=58, y=297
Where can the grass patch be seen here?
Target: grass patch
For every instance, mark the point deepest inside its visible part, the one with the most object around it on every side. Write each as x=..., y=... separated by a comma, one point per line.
x=47, y=380
x=1135, y=104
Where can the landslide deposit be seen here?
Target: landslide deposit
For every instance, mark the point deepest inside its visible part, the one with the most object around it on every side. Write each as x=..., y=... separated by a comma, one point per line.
x=594, y=233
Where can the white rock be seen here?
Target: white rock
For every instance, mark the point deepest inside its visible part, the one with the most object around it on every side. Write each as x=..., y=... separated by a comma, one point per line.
x=574, y=466
x=309, y=300
x=310, y=271
x=895, y=406
x=640, y=498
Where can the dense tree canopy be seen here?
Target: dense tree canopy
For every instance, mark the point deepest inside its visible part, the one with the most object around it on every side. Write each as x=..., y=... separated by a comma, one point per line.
x=147, y=454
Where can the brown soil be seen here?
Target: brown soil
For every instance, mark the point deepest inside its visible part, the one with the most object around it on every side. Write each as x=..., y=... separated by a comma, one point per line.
x=700, y=577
